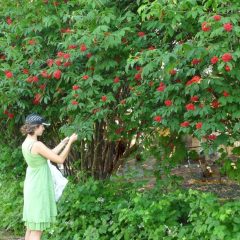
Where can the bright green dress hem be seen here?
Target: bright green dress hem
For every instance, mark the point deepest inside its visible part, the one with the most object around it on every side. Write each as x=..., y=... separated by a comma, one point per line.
x=39, y=226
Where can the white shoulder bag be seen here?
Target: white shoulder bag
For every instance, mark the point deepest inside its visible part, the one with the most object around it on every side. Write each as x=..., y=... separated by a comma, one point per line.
x=59, y=181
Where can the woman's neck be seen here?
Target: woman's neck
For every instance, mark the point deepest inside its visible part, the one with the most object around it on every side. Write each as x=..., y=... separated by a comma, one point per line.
x=32, y=137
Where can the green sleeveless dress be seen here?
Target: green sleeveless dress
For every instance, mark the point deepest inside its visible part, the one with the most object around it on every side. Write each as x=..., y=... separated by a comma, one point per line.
x=39, y=209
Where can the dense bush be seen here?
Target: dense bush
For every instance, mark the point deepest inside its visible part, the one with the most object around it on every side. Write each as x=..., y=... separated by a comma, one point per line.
x=12, y=164
x=118, y=210
x=11, y=199
x=12, y=172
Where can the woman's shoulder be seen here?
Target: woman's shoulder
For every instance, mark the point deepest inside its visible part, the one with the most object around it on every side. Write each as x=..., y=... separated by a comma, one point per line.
x=37, y=145
x=38, y=148
x=28, y=143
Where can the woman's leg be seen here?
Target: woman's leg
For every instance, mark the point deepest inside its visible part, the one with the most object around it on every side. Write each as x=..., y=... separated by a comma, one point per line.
x=27, y=234
x=35, y=235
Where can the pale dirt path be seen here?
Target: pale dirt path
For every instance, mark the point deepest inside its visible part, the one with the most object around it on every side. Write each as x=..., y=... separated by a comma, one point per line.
x=8, y=236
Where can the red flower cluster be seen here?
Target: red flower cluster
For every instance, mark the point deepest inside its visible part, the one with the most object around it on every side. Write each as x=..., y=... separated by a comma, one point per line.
x=198, y=125
x=214, y=60
x=45, y=74
x=74, y=102
x=67, y=30
x=50, y=62
x=60, y=54
x=141, y=34
x=205, y=27
x=119, y=130
x=161, y=87
x=190, y=107
x=25, y=71
x=228, y=27
x=158, y=119
x=215, y=104
x=42, y=86
x=66, y=55
x=35, y=79
x=217, y=17
x=151, y=48
x=226, y=57
x=32, y=79
x=2, y=57
x=172, y=72
x=75, y=87
x=138, y=68
x=10, y=115
x=83, y=48
x=225, y=94
x=32, y=42
x=58, y=62
x=138, y=76
x=184, y=124
x=72, y=46
x=195, y=79
x=104, y=98
x=85, y=77
x=37, y=98
x=196, y=61
x=212, y=137
x=8, y=74
x=66, y=64
x=227, y=68
x=57, y=74
x=9, y=20
x=89, y=55
x=124, y=40
x=168, y=103
x=194, y=98
x=116, y=80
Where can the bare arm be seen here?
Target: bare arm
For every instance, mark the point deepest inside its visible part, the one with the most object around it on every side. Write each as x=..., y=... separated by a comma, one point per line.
x=46, y=152
x=60, y=146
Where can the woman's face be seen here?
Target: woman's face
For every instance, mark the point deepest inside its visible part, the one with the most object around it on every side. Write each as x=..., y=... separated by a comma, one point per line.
x=39, y=130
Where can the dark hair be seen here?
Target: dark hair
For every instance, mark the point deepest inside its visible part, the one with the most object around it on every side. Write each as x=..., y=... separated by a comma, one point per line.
x=29, y=128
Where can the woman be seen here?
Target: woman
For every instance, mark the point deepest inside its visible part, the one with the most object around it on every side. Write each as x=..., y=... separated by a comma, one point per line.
x=39, y=209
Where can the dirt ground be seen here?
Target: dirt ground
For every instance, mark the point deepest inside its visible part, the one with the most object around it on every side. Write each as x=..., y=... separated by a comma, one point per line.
x=8, y=236
x=194, y=177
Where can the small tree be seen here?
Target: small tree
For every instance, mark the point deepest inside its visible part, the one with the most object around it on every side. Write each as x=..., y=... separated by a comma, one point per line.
x=115, y=71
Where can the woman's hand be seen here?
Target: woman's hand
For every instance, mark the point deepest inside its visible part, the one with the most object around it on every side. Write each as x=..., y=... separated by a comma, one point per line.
x=65, y=140
x=73, y=137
